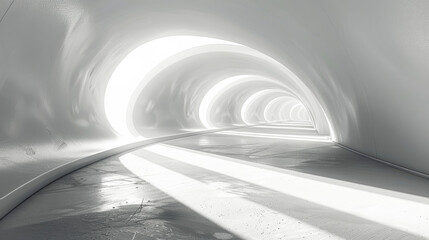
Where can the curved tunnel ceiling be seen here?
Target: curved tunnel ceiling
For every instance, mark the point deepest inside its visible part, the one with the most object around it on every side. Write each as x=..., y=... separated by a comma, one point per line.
x=142, y=65
x=361, y=65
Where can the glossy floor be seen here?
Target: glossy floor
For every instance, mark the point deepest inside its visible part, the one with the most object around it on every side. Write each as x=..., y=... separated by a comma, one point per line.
x=258, y=183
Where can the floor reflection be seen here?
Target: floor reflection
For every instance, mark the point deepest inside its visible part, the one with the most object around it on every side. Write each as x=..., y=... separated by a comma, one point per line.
x=223, y=186
x=106, y=201
x=317, y=158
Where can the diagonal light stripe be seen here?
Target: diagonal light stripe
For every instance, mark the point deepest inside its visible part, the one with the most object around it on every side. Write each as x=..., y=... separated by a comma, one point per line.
x=286, y=127
x=244, y=218
x=314, y=138
x=408, y=216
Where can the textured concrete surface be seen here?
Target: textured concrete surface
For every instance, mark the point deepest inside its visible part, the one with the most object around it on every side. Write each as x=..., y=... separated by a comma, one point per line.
x=364, y=61
x=184, y=189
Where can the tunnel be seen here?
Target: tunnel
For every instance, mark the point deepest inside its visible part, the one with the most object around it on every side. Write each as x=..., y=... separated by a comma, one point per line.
x=244, y=119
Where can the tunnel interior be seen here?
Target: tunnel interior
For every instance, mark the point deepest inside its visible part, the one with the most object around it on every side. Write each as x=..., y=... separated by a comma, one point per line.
x=84, y=80
x=187, y=82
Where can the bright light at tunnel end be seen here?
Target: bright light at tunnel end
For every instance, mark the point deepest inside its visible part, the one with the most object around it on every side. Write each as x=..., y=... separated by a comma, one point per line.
x=134, y=70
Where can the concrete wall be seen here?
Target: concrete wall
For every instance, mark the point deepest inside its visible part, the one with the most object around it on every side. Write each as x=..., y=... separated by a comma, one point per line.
x=365, y=61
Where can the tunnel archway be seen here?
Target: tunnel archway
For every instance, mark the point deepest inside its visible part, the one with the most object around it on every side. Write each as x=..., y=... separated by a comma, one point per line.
x=57, y=57
x=148, y=69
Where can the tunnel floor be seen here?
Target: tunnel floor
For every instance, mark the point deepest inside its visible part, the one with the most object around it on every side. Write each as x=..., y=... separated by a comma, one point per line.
x=238, y=184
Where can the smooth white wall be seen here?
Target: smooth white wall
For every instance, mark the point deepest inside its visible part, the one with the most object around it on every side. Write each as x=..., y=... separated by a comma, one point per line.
x=366, y=62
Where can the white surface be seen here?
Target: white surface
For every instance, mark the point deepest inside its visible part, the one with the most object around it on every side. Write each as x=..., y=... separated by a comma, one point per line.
x=364, y=61
x=354, y=199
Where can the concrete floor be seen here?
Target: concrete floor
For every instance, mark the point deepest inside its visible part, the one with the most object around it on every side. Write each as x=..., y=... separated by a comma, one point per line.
x=258, y=183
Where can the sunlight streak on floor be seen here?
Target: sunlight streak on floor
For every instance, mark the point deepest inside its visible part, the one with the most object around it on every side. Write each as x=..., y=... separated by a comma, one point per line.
x=314, y=138
x=362, y=201
x=242, y=217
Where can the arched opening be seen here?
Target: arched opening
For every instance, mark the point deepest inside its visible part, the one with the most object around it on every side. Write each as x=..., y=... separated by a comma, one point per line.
x=235, y=86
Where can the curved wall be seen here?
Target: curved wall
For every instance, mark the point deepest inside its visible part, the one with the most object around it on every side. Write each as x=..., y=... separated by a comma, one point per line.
x=365, y=62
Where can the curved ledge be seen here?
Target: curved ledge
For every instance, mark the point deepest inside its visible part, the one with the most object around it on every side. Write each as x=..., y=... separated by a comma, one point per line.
x=21, y=193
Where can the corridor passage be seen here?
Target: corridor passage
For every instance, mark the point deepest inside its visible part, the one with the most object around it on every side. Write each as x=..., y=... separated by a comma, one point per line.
x=261, y=182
